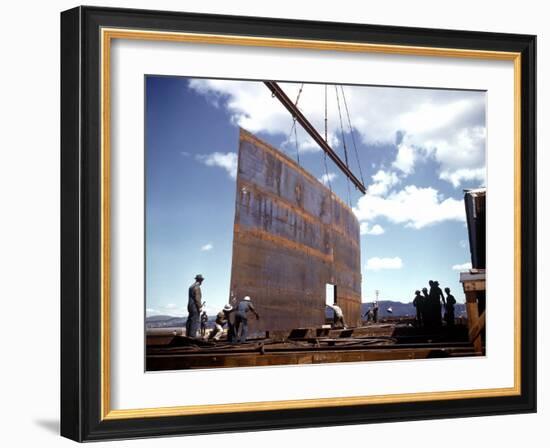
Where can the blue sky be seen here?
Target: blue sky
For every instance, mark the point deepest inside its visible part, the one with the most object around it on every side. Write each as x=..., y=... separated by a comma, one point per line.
x=417, y=149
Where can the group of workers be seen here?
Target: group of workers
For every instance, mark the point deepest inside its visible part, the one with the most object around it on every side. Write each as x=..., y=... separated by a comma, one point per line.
x=427, y=303
x=234, y=317
x=428, y=306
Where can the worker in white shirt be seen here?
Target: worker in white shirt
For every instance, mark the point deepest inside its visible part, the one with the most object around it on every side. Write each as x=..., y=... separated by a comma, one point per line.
x=338, y=316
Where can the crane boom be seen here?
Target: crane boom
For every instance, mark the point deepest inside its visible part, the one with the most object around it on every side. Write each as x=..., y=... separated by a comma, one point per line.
x=308, y=127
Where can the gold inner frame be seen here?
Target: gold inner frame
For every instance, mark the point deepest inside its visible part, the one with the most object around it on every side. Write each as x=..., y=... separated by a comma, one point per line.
x=107, y=35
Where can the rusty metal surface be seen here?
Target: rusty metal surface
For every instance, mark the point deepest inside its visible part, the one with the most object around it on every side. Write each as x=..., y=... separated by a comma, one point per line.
x=406, y=343
x=207, y=361
x=292, y=236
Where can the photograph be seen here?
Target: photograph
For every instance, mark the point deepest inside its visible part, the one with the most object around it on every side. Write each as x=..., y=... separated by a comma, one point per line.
x=299, y=206
x=291, y=222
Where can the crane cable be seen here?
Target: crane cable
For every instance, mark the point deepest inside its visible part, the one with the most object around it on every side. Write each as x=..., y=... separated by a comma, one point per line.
x=352, y=135
x=326, y=140
x=343, y=140
x=293, y=128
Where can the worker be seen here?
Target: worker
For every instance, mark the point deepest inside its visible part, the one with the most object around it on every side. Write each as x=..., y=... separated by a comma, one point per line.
x=222, y=318
x=338, y=316
x=368, y=315
x=194, y=307
x=449, y=308
x=241, y=318
x=204, y=321
x=436, y=298
x=375, y=311
x=427, y=318
x=418, y=303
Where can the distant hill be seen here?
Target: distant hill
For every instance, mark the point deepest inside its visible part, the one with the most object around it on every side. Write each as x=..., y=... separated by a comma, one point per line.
x=158, y=318
x=398, y=308
x=164, y=321
x=402, y=309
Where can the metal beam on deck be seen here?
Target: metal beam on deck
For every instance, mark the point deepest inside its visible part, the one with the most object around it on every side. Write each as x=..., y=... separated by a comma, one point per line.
x=308, y=127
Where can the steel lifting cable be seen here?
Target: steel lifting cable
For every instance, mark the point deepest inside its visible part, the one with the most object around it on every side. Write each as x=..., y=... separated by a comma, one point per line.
x=293, y=128
x=352, y=135
x=296, y=143
x=326, y=140
x=326, y=116
x=343, y=139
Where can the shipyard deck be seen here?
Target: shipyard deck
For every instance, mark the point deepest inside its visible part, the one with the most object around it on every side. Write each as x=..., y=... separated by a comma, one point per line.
x=377, y=342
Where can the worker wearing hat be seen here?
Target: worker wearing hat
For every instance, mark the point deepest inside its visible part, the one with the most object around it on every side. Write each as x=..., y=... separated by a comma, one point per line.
x=435, y=301
x=449, y=308
x=419, y=304
x=241, y=318
x=222, y=318
x=194, y=307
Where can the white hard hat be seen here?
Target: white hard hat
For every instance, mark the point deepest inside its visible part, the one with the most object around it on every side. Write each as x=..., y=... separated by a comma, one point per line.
x=227, y=307
x=247, y=298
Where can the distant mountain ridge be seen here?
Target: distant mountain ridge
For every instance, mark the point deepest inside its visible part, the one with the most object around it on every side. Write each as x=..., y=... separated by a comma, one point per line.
x=401, y=309
x=158, y=318
x=164, y=321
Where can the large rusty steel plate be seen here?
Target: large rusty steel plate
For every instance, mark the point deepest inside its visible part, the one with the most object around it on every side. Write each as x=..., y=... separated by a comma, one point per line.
x=292, y=236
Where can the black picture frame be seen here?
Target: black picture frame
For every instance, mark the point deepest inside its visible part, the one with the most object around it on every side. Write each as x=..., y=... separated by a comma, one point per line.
x=81, y=381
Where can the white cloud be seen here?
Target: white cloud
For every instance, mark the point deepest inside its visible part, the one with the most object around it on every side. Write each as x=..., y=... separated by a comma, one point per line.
x=377, y=264
x=463, y=244
x=250, y=103
x=228, y=161
x=383, y=182
x=405, y=159
x=444, y=124
x=305, y=143
x=375, y=230
x=462, y=267
x=413, y=206
x=173, y=309
x=464, y=174
x=327, y=178
x=207, y=247
x=170, y=309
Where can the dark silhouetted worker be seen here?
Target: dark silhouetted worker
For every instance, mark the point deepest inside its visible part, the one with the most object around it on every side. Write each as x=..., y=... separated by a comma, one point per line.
x=436, y=298
x=418, y=303
x=194, y=305
x=222, y=318
x=450, y=308
x=204, y=321
x=368, y=315
x=375, y=312
x=338, y=316
x=241, y=318
x=427, y=315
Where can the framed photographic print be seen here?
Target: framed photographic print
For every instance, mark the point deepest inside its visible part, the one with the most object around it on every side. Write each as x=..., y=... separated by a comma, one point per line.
x=273, y=223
